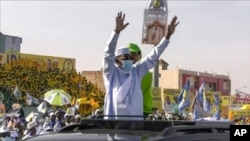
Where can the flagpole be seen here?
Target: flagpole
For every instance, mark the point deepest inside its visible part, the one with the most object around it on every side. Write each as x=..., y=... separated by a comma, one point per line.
x=156, y=74
x=194, y=99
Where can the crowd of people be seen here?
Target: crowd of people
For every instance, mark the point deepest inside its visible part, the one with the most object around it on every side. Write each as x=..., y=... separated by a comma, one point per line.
x=32, y=80
x=14, y=126
x=242, y=120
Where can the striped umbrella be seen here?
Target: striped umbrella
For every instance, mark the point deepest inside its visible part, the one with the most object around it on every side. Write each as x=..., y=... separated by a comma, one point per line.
x=57, y=97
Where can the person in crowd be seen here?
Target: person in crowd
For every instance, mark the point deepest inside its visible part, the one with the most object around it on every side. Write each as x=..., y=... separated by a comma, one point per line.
x=46, y=123
x=122, y=79
x=52, y=122
x=68, y=119
x=60, y=118
x=167, y=104
x=146, y=84
x=77, y=119
x=57, y=125
x=31, y=127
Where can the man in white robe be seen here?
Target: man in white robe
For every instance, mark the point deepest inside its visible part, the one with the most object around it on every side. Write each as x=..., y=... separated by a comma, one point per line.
x=122, y=79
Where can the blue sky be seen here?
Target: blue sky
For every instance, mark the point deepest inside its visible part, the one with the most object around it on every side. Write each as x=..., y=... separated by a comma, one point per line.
x=212, y=36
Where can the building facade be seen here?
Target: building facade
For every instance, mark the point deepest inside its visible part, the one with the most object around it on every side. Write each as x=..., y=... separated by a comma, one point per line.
x=95, y=77
x=176, y=78
x=10, y=43
x=171, y=82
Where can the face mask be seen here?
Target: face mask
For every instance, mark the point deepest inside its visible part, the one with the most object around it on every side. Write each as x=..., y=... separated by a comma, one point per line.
x=126, y=65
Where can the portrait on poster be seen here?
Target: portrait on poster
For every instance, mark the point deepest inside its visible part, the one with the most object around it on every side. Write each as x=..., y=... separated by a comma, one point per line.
x=68, y=65
x=155, y=31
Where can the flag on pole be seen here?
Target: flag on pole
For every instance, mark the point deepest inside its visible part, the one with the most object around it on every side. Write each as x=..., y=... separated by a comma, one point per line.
x=185, y=102
x=42, y=107
x=217, y=105
x=202, y=98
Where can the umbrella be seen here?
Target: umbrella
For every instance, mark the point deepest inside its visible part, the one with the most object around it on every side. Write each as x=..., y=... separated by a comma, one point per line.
x=57, y=97
x=245, y=107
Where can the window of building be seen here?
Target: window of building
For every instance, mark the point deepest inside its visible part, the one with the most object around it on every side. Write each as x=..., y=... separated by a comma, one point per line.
x=164, y=67
x=226, y=85
x=193, y=81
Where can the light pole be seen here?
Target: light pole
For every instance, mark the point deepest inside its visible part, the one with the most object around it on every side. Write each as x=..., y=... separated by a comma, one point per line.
x=231, y=98
x=238, y=89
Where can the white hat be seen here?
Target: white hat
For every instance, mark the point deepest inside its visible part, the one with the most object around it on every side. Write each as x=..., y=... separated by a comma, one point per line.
x=52, y=114
x=122, y=50
x=78, y=116
x=97, y=111
x=31, y=124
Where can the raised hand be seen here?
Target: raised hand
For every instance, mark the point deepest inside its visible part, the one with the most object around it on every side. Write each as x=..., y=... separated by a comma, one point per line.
x=171, y=27
x=120, y=22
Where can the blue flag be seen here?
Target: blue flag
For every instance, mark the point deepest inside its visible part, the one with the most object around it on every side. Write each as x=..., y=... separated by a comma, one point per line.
x=196, y=108
x=217, y=105
x=185, y=101
x=180, y=96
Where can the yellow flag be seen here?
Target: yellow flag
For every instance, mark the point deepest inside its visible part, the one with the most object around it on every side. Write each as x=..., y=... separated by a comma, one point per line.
x=73, y=101
x=230, y=115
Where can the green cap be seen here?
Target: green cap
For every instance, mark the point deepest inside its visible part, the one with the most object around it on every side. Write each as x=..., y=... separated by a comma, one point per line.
x=133, y=48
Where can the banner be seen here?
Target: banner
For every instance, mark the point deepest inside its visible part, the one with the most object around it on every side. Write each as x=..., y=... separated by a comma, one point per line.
x=225, y=100
x=156, y=96
x=239, y=100
x=155, y=21
x=170, y=96
x=45, y=63
x=238, y=113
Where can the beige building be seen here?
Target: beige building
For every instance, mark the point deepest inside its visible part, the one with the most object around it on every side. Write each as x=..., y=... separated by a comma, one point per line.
x=95, y=77
x=171, y=81
x=175, y=79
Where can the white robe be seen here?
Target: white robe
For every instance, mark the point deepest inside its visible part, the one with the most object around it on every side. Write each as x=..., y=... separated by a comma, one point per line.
x=132, y=105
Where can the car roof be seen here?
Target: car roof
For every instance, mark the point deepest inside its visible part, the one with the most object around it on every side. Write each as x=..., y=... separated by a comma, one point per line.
x=155, y=130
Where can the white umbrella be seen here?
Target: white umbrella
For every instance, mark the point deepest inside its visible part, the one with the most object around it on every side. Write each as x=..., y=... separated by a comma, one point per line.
x=57, y=97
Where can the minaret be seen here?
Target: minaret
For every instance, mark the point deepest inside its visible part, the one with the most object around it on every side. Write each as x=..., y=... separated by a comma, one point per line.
x=155, y=27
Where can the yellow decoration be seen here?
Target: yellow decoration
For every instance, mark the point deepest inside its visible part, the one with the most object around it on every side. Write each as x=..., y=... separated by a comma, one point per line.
x=231, y=115
x=29, y=69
